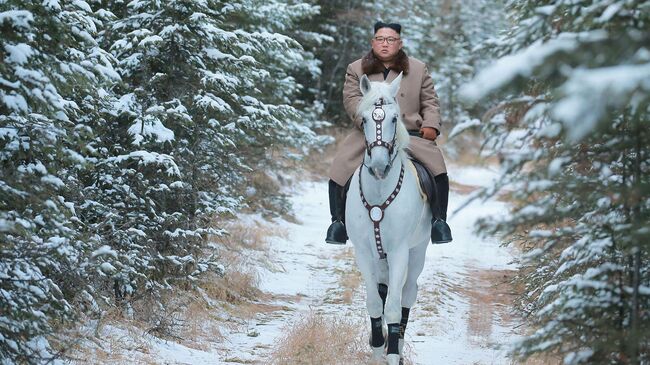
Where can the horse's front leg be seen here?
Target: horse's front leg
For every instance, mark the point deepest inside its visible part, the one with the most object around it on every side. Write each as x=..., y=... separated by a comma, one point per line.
x=410, y=290
x=374, y=303
x=397, y=273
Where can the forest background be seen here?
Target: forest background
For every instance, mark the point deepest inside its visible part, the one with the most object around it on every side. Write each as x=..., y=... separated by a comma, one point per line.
x=130, y=129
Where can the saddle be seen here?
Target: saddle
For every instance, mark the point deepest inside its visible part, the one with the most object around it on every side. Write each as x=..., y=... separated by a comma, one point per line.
x=427, y=184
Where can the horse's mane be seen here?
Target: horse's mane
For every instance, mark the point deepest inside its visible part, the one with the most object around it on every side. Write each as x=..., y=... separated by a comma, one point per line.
x=382, y=90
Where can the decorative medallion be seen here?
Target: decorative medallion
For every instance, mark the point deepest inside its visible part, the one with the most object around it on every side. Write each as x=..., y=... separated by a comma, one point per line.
x=376, y=214
x=378, y=114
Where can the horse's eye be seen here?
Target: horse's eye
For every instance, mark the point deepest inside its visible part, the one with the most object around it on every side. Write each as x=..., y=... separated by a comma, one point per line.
x=363, y=120
x=394, y=119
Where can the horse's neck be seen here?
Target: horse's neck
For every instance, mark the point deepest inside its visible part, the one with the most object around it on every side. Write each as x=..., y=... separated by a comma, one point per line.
x=376, y=190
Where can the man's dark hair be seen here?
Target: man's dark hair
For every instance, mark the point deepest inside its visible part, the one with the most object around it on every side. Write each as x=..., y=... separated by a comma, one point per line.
x=394, y=26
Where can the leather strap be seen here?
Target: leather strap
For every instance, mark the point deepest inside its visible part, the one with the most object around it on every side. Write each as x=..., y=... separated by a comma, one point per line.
x=376, y=212
x=378, y=116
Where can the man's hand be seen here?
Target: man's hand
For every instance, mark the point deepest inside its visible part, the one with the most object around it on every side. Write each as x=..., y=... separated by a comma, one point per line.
x=429, y=133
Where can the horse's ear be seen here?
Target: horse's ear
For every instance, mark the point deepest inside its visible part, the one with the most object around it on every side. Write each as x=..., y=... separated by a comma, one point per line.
x=394, y=86
x=364, y=84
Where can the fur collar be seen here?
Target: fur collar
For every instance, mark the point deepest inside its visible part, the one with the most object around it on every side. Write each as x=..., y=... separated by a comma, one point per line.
x=372, y=65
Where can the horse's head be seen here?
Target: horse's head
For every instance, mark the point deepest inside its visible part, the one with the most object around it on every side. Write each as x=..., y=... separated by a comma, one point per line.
x=382, y=125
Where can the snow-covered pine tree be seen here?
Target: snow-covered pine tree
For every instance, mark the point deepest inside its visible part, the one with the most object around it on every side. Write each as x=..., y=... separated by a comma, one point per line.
x=206, y=98
x=442, y=38
x=49, y=73
x=348, y=24
x=308, y=73
x=293, y=69
x=574, y=143
x=451, y=37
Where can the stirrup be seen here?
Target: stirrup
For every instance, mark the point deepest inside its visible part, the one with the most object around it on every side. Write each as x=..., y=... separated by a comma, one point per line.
x=336, y=233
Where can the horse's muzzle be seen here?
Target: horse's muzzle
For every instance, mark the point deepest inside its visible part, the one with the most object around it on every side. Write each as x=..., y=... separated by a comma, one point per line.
x=381, y=173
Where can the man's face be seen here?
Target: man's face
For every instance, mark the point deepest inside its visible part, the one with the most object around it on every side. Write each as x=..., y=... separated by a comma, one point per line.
x=383, y=50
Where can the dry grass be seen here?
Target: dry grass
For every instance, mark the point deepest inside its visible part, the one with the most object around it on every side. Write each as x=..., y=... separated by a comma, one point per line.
x=319, y=340
x=350, y=278
x=264, y=194
x=199, y=324
x=187, y=316
x=238, y=285
x=122, y=341
x=250, y=236
x=465, y=150
x=114, y=345
x=462, y=188
x=490, y=294
x=317, y=163
x=241, y=279
x=80, y=344
x=542, y=360
x=350, y=282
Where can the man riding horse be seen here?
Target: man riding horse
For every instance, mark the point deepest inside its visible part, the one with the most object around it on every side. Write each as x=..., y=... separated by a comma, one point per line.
x=418, y=102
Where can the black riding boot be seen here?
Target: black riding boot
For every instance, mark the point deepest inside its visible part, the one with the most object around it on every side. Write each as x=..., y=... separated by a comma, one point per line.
x=336, y=233
x=440, y=231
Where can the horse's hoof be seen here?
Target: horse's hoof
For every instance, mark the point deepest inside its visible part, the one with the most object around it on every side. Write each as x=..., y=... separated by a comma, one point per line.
x=377, y=352
x=393, y=359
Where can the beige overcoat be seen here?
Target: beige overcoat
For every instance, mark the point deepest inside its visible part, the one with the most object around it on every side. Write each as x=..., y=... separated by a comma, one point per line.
x=418, y=103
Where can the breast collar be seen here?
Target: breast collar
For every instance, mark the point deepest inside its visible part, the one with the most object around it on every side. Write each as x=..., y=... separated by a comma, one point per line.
x=376, y=212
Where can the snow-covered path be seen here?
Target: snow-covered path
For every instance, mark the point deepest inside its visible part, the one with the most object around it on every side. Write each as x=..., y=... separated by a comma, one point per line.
x=461, y=315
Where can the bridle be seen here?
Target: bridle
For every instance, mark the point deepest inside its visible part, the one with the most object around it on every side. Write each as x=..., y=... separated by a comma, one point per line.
x=376, y=212
x=378, y=116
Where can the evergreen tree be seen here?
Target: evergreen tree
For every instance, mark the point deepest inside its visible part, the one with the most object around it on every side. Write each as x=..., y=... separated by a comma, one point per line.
x=48, y=91
x=453, y=39
x=206, y=98
x=344, y=29
x=572, y=133
x=123, y=132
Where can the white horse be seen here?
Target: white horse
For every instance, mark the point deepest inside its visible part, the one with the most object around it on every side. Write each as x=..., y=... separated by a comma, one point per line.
x=388, y=220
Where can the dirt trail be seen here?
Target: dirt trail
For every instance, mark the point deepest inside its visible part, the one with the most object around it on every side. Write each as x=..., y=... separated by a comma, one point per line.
x=462, y=315
x=311, y=306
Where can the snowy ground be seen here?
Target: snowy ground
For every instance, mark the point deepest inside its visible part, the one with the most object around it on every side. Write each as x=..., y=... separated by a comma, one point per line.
x=461, y=315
